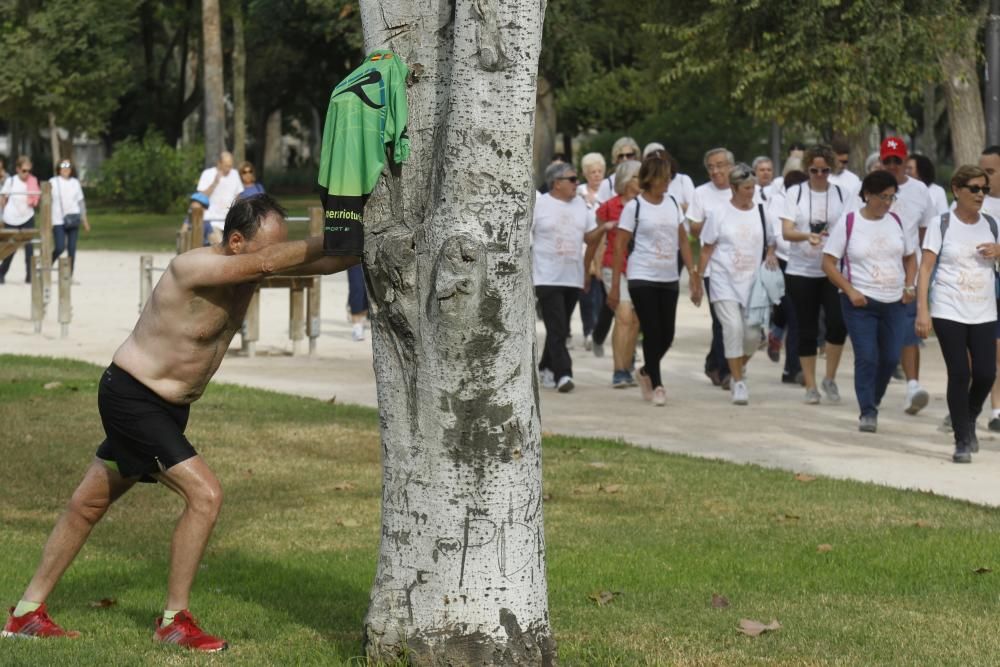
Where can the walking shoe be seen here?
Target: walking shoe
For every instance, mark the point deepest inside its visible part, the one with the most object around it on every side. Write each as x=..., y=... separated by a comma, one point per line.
x=727, y=382
x=565, y=384
x=659, y=397
x=916, y=401
x=358, y=332
x=646, y=385
x=898, y=374
x=714, y=376
x=773, y=348
x=868, y=424
x=620, y=379
x=184, y=631
x=548, y=378
x=973, y=439
x=812, y=396
x=741, y=395
x=995, y=424
x=631, y=378
x=831, y=390
x=588, y=344
x=963, y=453
x=34, y=625
x=946, y=425
x=598, y=350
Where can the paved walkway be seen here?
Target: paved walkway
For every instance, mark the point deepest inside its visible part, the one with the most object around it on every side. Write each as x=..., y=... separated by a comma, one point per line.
x=775, y=431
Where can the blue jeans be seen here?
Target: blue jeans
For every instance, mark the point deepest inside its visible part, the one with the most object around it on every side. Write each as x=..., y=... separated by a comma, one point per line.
x=590, y=305
x=876, y=332
x=64, y=239
x=357, y=293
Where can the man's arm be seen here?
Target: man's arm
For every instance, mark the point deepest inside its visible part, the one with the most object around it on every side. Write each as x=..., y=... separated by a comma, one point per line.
x=324, y=266
x=202, y=269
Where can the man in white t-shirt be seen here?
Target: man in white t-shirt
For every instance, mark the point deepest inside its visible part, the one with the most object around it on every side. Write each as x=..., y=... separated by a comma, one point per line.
x=989, y=162
x=914, y=207
x=842, y=176
x=763, y=171
x=707, y=196
x=221, y=184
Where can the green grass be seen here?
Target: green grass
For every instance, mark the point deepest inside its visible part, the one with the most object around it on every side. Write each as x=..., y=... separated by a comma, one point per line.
x=157, y=232
x=287, y=585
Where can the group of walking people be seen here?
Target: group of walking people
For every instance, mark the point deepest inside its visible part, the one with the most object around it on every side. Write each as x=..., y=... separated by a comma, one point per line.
x=804, y=261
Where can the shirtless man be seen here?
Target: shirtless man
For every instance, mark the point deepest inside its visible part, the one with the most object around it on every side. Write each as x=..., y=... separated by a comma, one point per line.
x=144, y=398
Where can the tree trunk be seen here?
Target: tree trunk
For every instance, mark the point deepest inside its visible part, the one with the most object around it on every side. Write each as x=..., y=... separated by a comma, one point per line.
x=272, y=143
x=965, y=104
x=545, y=129
x=215, y=110
x=239, y=85
x=928, y=138
x=54, y=142
x=461, y=570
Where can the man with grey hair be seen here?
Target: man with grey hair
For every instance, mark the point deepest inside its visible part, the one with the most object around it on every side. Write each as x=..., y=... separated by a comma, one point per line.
x=763, y=171
x=707, y=197
x=560, y=226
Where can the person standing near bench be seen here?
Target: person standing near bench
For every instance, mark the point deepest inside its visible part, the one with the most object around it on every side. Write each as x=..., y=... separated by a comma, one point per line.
x=144, y=399
x=18, y=199
x=69, y=212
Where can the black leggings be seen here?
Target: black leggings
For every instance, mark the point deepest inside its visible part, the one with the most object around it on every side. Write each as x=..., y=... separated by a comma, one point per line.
x=656, y=307
x=807, y=295
x=970, y=355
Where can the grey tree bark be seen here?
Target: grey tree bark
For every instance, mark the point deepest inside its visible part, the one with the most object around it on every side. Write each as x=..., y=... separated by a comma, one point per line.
x=215, y=110
x=272, y=143
x=965, y=104
x=461, y=570
x=239, y=85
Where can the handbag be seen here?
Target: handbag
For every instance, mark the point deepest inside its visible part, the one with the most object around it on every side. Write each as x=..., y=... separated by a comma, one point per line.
x=70, y=220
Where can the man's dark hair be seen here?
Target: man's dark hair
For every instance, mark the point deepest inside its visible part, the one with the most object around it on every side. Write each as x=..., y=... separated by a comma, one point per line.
x=878, y=182
x=796, y=146
x=246, y=215
x=794, y=177
x=840, y=146
x=925, y=168
x=992, y=150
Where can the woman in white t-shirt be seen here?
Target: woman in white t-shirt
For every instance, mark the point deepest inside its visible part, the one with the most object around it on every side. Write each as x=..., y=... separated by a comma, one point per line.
x=655, y=222
x=736, y=239
x=811, y=209
x=784, y=325
x=69, y=212
x=558, y=231
x=961, y=304
x=872, y=261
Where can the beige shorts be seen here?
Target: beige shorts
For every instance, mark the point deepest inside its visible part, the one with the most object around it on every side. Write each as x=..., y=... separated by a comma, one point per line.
x=738, y=339
x=623, y=295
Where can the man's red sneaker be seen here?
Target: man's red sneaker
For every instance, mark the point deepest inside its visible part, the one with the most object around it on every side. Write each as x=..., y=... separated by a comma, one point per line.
x=184, y=631
x=34, y=625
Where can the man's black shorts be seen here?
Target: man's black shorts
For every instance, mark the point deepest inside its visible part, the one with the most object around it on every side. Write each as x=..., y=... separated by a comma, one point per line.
x=145, y=434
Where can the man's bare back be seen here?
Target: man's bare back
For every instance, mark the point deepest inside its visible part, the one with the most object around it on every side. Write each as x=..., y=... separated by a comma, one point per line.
x=199, y=304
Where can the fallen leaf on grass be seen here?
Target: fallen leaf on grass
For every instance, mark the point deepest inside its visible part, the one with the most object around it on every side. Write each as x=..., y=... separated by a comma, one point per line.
x=332, y=401
x=922, y=524
x=982, y=570
x=597, y=464
x=348, y=523
x=52, y=385
x=610, y=488
x=719, y=601
x=103, y=603
x=547, y=497
x=824, y=548
x=249, y=473
x=753, y=628
x=802, y=477
x=788, y=517
x=344, y=486
x=604, y=597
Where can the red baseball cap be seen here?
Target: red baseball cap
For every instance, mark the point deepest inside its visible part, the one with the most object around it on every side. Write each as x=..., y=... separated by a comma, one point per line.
x=892, y=147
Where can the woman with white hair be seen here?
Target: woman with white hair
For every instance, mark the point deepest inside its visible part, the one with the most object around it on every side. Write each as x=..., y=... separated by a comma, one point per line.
x=654, y=223
x=591, y=301
x=558, y=232
x=624, y=148
x=736, y=240
x=626, y=325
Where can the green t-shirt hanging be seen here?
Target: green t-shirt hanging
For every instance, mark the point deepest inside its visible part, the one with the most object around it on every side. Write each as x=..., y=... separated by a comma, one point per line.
x=365, y=123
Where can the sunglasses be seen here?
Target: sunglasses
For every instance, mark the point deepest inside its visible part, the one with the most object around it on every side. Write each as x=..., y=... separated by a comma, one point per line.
x=247, y=171
x=843, y=163
x=571, y=179
x=818, y=170
x=65, y=165
x=976, y=189
x=892, y=160
x=628, y=156
x=24, y=171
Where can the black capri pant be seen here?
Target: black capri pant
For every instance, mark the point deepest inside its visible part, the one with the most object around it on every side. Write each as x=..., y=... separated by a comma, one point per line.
x=969, y=352
x=807, y=295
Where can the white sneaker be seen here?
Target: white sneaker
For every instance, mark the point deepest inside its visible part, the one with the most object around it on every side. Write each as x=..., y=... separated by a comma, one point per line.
x=565, y=384
x=659, y=397
x=741, y=395
x=358, y=331
x=588, y=344
x=916, y=400
x=548, y=378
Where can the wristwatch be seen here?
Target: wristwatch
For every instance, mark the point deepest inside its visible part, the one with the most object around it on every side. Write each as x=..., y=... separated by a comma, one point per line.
x=910, y=289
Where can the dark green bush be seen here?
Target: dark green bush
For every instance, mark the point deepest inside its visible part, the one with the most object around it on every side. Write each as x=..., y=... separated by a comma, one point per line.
x=148, y=174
